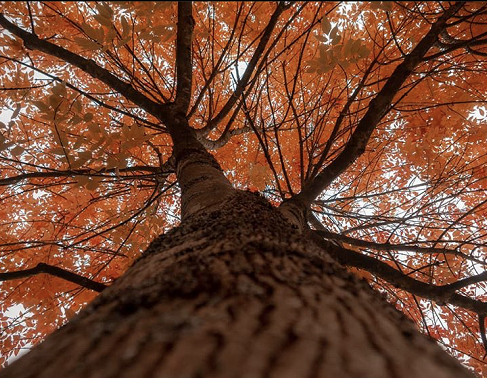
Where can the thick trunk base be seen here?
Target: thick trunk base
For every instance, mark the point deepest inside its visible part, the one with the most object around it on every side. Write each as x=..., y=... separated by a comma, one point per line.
x=237, y=293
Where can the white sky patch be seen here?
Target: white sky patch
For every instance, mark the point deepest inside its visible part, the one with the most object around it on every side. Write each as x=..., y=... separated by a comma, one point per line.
x=14, y=312
x=237, y=72
x=479, y=114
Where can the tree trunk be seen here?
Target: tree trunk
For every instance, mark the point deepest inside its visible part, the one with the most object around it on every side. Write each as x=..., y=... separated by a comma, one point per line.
x=237, y=292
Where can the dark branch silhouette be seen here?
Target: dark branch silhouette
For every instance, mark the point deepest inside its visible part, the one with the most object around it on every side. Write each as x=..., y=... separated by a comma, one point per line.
x=32, y=42
x=184, y=66
x=54, y=271
x=378, y=108
x=392, y=247
x=440, y=294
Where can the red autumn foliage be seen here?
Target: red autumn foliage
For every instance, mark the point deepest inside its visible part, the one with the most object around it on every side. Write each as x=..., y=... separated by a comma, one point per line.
x=280, y=93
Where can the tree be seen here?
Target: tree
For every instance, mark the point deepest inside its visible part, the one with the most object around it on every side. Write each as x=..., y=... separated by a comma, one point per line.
x=269, y=145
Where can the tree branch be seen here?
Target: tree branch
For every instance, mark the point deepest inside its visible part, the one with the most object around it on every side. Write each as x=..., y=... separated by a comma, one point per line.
x=224, y=138
x=57, y=272
x=184, y=66
x=32, y=42
x=440, y=294
x=378, y=107
x=242, y=83
x=85, y=172
x=391, y=247
x=85, y=94
x=482, y=331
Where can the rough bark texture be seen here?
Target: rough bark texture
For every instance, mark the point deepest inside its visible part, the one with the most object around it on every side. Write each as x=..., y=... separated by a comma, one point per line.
x=237, y=293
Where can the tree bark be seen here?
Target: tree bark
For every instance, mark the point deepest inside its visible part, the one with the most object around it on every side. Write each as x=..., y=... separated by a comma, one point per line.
x=236, y=291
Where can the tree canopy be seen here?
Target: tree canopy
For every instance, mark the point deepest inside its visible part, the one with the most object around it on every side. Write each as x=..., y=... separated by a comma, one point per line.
x=372, y=116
